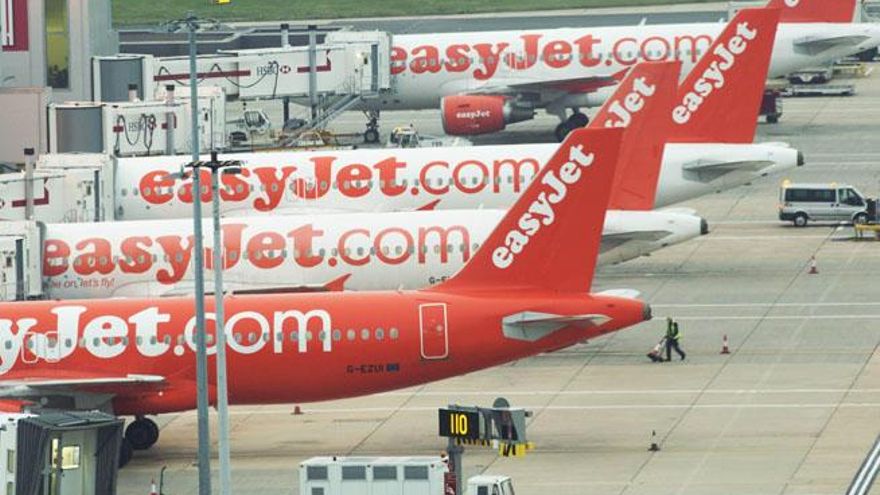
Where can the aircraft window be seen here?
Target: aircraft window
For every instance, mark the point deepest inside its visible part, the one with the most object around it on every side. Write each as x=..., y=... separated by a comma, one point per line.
x=347, y=251
x=237, y=337
x=404, y=183
x=124, y=192
x=398, y=250
x=450, y=248
x=380, y=334
x=386, y=250
x=178, y=257
x=264, y=337
x=346, y=184
x=292, y=187
x=323, y=184
x=77, y=261
x=360, y=251
x=437, y=249
x=321, y=252
x=209, y=338
x=180, y=339
x=393, y=333
x=337, y=335
x=296, y=253
x=153, y=340
x=424, y=249
x=365, y=334
x=155, y=258
x=411, y=250
x=279, y=337
x=322, y=336
x=8, y=345
x=124, y=341
x=141, y=259
x=257, y=255
x=251, y=188
x=262, y=188
x=309, y=335
x=350, y=334
x=475, y=246
x=252, y=337
x=461, y=247
x=168, y=339
x=95, y=343
x=293, y=336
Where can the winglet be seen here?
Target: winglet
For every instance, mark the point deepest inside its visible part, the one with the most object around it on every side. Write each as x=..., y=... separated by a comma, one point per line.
x=719, y=101
x=643, y=99
x=549, y=239
x=802, y=11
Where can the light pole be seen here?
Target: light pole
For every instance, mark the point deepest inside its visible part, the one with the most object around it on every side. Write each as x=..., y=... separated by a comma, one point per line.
x=227, y=167
x=192, y=24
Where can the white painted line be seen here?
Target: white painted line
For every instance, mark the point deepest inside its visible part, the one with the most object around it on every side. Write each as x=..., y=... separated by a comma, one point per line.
x=441, y=393
x=765, y=305
x=614, y=407
x=780, y=318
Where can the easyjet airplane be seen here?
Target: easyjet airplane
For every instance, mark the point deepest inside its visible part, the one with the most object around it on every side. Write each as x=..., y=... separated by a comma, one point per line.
x=369, y=251
x=484, y=81
x=524, y=292
x=711, y=152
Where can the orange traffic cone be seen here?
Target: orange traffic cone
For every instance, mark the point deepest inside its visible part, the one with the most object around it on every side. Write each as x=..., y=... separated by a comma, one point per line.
x=153, y=490
x=725, y=346
x=297, y=411
x=814, y=268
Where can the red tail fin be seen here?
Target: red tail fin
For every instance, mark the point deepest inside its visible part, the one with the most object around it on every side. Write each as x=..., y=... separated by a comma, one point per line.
x=719, y=101
x=843, y=11
x=549, y=239
x=644, y=98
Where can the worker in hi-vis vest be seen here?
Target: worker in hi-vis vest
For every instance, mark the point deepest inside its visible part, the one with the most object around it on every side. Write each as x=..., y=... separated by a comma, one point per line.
x=673, y=336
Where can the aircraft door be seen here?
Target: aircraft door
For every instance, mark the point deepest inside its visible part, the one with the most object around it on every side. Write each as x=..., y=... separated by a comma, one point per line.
x=433, y=331
x=11, y=270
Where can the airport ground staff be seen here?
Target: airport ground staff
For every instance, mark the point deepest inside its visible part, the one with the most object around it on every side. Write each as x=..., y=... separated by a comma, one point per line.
x=673, y=336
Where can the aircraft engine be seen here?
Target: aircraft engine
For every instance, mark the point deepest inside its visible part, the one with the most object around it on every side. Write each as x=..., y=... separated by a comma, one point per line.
x=477, y=114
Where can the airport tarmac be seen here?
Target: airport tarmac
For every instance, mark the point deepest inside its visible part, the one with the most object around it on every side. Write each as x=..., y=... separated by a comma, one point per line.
x=792, y=410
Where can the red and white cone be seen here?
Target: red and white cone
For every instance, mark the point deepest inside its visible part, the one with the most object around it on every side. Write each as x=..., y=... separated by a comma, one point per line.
x=814, y=267
x=153, y=490
x=725, y=345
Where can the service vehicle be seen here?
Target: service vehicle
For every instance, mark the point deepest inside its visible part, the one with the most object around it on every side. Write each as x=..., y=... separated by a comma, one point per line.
x=804, y=203
x=416, y=475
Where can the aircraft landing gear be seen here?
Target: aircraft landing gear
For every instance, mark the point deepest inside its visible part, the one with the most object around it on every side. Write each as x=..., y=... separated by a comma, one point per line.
x=142, y=433
x=371, y=135
x=575, y=121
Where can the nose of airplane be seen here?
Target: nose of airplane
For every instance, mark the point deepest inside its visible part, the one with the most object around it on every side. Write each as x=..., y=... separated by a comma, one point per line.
x=872, y=30
x=704, y=226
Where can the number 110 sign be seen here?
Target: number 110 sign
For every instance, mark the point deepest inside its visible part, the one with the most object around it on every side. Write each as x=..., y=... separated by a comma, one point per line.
x=459, y=424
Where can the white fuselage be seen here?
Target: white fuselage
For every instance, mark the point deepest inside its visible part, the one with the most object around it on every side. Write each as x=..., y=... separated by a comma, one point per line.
x=427, y=67
x=384, y=180
x=307, y=252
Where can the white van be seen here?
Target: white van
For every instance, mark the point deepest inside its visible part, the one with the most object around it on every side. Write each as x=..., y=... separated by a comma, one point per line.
x=804, y=203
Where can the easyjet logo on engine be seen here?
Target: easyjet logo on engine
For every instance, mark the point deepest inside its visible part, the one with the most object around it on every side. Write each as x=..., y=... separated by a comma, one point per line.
x=483, y=60
x=541, y=212
x=153, y=333
x=621, y=111
x=475, y=114
x=713, y=78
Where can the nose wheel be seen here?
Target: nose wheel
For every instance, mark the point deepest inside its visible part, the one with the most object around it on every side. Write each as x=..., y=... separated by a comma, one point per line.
x=371, y=135
x=142, y=433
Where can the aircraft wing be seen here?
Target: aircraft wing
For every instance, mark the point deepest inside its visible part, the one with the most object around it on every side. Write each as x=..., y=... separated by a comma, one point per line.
x=531, y=326
x=36, y=385
x=514, y=87
x=814, y=45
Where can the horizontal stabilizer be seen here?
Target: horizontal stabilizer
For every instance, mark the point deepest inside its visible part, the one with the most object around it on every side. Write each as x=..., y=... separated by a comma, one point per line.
x=532, y=326
x=815, y=45
x=614, y=241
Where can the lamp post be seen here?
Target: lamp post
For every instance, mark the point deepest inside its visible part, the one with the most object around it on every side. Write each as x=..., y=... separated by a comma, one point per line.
x=192, y=25
x=226, y=167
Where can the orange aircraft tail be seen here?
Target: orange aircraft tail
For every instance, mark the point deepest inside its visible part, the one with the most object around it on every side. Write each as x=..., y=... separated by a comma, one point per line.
x=720, y=99
x=640, y=105
x=549, y=239
x=797, y=11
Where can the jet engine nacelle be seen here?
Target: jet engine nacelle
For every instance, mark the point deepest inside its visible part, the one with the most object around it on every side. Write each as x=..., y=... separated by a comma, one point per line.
x=477, y=114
